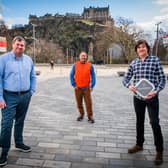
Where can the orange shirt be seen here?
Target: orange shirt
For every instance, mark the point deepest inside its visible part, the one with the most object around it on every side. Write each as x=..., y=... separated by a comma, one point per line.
x=82, y=74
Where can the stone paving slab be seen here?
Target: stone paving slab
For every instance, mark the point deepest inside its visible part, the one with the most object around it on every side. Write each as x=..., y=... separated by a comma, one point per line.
x=59, y=141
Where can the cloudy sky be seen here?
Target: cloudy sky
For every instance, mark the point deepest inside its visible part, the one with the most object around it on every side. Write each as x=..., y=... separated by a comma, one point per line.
x=145, y=13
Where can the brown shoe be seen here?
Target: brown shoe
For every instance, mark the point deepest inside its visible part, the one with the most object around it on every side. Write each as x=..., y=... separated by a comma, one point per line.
x=135, y=149
x=159, y=158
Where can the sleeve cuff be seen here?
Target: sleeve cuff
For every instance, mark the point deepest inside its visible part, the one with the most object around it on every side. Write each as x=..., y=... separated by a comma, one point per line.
x=32, y=92
x=127, y=85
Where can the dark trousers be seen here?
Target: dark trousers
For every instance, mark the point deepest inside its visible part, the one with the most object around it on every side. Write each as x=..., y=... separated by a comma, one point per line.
x=85, y=94
x=153, y=111
x=16, y=109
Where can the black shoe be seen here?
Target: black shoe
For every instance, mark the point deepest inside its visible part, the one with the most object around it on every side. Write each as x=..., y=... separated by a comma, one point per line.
x=91, y=120
x=3, y=160
x=80, y=118
x=23, y=148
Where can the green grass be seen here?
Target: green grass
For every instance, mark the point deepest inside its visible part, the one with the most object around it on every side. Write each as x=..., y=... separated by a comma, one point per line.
x=88, y=22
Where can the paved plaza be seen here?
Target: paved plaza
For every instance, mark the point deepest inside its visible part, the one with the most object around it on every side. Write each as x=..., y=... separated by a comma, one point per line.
x=59, y=141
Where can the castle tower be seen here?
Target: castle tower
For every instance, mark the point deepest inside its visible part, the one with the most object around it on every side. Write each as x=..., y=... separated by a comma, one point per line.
x=101, y=15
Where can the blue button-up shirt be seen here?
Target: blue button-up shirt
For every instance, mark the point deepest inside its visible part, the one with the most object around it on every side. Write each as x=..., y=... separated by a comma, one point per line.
x=16, y=74
x=150, y=69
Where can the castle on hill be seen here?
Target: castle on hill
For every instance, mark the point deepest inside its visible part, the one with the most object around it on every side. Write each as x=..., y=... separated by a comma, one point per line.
x=99, y=14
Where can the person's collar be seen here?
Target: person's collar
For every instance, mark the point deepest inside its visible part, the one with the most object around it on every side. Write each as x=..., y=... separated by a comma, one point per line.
x=83, y=62
x=144, y=58
x=14, y=56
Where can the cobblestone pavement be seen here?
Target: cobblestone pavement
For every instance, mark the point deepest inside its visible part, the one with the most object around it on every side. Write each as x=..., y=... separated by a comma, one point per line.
x=59, y=141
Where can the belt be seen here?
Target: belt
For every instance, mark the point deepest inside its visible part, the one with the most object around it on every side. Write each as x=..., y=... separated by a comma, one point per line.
x=18, y=92
x=83, y=88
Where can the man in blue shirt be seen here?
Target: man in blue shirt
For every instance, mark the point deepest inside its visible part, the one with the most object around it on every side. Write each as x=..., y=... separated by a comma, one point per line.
x=17, y=85
x=146, y=67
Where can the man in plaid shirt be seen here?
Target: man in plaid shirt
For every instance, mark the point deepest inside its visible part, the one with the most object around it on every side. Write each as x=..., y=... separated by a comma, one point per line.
x=146, y=67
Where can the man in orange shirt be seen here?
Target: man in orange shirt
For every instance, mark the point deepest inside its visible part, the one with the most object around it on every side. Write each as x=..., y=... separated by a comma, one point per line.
x=83, y=79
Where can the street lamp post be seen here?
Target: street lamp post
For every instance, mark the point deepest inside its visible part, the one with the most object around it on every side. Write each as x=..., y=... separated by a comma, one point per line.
x=67, y=55
x=34, y=43
x=157, y=37
x=157, y=30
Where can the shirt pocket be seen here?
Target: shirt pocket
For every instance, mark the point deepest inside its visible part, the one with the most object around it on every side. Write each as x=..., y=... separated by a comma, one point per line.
x=11, y=69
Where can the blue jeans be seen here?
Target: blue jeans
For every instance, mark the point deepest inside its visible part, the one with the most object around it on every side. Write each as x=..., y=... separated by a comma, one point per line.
x=16, y=109
x=153, y=111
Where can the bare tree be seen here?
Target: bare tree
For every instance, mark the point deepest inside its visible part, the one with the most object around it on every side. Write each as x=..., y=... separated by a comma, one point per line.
x=46, y=51
x=102, y=41
x=128, y=34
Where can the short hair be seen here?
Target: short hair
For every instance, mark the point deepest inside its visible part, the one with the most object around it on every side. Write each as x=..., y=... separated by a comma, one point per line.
x=139, y=42
x=18, y=38
x=84, y=53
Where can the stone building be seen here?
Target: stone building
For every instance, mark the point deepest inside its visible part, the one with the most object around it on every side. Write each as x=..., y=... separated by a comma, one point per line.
x=101, y=15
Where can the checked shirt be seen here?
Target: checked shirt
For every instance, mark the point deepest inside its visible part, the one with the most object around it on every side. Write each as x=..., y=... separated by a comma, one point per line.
x=150, y=69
